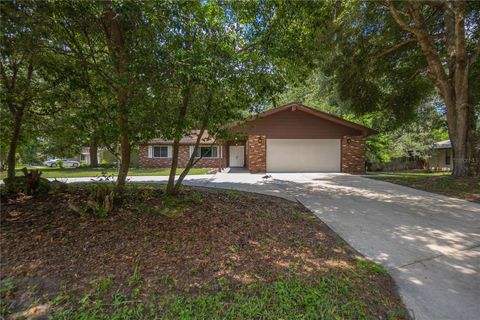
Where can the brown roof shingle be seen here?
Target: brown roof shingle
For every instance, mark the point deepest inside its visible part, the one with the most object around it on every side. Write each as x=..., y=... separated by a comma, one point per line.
x=189, y=139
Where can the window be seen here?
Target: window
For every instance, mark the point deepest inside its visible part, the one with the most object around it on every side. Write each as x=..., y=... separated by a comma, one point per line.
x=447, y=157
x=206, y=152
x=160, y=152
x=82, y=157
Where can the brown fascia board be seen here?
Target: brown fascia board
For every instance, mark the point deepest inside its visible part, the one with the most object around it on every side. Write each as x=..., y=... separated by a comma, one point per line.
x=297, y=106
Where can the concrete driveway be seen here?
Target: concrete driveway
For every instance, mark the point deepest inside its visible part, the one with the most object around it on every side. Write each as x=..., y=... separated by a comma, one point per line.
x=429, y=243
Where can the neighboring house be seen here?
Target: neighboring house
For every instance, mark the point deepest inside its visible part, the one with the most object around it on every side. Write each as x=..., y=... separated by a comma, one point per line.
x=290, y=138
x=442, y=156
x=104, y=155
x=85, y=156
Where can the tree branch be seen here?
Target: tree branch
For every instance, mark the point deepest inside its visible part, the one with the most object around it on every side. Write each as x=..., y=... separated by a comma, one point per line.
x=437, y=72
x=29, y=95
x=394, y=48
x=397, y=18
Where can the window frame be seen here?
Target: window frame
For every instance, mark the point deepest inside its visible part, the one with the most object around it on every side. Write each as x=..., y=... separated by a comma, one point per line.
x=169, y=153
x=200, y=150
x=448, y=157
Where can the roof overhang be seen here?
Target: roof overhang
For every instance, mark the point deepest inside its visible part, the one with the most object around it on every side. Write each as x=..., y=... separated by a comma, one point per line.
x=366, y=131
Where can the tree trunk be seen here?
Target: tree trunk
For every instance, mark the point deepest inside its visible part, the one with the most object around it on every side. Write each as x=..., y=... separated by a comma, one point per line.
x=93, y=151
x=11, y=161
x=461, y=137
x=173, y=168
x=191, y=162
x=125, y=154
x=114, y=34
x=178, y=135
x=125, y=147
x=454, y=85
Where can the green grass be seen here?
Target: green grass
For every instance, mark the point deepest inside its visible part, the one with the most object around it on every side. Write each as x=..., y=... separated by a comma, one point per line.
x=467, y=188
x=330, y=296
x=370, y=266
x=94, y=172
x=412, y=174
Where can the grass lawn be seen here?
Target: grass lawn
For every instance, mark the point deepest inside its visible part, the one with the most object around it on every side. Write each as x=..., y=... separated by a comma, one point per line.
x=94, y=172
x=437, y=182
x=206, y=254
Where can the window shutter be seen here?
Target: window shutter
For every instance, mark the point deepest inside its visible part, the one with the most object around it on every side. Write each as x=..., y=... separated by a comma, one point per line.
x=169, y=151
x=150, y=151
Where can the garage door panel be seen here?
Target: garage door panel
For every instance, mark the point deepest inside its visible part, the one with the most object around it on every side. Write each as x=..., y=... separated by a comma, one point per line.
x=303, y=155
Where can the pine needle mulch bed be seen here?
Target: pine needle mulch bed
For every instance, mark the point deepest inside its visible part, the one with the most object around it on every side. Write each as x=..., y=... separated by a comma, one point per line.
x=466, y=188
x=205, y=254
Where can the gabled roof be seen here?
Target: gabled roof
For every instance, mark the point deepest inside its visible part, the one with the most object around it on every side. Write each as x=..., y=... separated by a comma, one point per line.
x=445, y=144
x=293, y=106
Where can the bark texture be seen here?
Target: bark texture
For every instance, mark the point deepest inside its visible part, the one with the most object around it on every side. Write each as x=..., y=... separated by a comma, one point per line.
x=178, y=135
x=114, y=34
x=12, y=150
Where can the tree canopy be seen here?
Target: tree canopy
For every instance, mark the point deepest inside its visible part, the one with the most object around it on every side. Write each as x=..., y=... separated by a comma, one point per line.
x=385, y=56
x=112, y=74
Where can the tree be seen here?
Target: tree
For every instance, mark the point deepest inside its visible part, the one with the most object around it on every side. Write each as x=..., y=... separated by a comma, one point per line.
x=114, y=31
x=108, y=46
x=387, y=56
x=203, y=75
x=22, y=64
x=449, y=62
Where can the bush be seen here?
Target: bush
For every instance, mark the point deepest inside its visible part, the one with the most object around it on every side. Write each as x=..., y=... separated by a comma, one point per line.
x=83, y=164
x=104, y=163
x=59, y=163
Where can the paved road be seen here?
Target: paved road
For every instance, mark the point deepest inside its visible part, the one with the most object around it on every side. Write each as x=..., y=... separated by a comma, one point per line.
x=429, y=243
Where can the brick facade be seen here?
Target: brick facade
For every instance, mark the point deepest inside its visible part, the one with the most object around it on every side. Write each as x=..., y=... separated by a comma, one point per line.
x=353, y=154
x=257, y=154
x=183, y=157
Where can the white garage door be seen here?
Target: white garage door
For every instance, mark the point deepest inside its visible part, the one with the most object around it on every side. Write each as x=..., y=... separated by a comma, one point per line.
x=303, y=155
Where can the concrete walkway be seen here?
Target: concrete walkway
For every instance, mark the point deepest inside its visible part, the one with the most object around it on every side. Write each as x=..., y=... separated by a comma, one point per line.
x=429, y=243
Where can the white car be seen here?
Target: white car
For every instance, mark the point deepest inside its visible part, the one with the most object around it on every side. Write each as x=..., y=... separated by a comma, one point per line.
x=66, y=163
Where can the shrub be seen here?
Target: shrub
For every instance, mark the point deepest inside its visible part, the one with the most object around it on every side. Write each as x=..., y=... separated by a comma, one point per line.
x=59, y=163
x=83, y=164
x=196, y=197
x=104, y=163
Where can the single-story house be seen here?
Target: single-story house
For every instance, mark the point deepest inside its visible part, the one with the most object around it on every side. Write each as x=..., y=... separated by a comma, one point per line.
x=442, y=156
x=290, y=138
x=103, y=155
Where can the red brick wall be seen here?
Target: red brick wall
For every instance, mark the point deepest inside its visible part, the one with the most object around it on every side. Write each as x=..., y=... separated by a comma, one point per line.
x=183, y=157
x=353, y=154
x=257, y=154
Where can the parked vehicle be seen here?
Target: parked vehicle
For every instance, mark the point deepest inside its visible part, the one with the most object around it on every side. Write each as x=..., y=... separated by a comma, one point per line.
x=65, y=162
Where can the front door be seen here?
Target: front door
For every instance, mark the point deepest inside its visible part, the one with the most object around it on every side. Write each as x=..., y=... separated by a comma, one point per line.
x=237, y=156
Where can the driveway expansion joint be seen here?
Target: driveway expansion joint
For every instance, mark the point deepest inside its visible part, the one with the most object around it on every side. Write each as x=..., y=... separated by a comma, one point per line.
x=477, y=245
